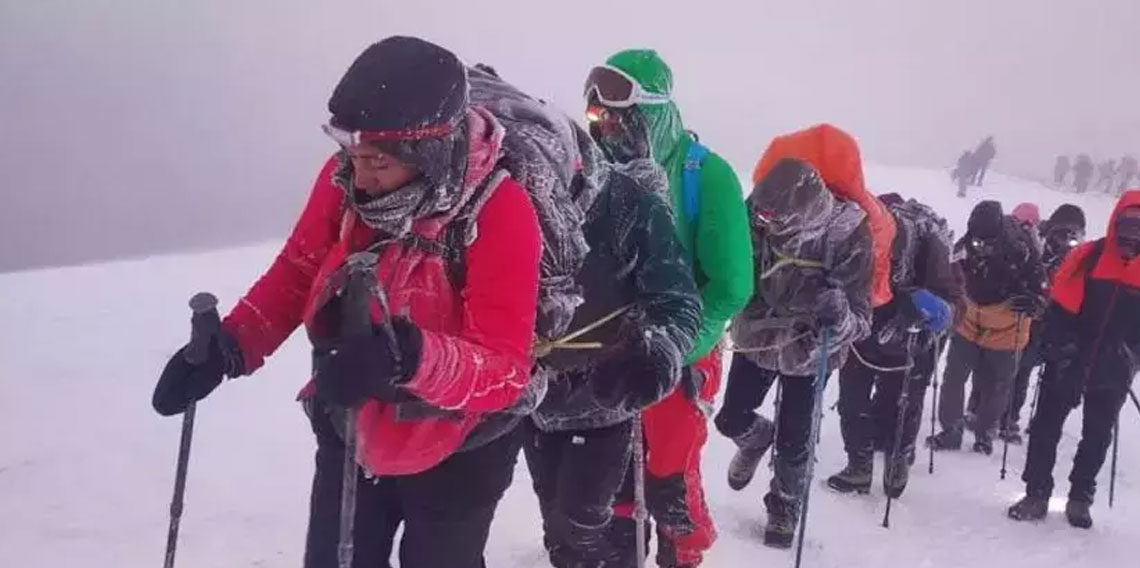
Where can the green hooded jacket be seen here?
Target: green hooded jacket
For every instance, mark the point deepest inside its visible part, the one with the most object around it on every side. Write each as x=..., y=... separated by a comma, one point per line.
x=720, y=244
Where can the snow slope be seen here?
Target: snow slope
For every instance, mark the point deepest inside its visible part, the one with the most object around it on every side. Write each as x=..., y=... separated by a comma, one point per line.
x=86, y=467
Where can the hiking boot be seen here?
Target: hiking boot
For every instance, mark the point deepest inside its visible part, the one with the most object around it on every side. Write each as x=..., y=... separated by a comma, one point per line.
x=945, y=440
x=781, y=528
x=1029, y=508
x=897, y=474
x=983, y=444
x=1078, y=514
x=855, y=478
x=751, y=447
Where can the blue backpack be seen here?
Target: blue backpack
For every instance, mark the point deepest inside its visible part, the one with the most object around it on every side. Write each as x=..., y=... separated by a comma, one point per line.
x=691, y=180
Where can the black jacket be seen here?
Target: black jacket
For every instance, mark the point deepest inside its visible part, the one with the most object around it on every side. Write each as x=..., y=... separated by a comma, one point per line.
x=1096, y=346
x=635, y=260
x=1012, y=269
x=920, y=258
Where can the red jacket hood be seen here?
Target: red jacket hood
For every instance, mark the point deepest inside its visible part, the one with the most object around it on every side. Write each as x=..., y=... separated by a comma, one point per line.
x=1069, y=284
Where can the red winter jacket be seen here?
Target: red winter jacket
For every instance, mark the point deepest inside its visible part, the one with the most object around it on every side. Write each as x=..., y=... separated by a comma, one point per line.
x=477, y=341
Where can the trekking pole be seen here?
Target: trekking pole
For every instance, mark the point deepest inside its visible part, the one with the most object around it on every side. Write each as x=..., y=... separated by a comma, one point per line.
x=903, y=402
x=939, y=343
x=1009, y=403
x=776, y=421
x=355, y=320
x=1135, y=402
x=817, y=411
x=1115, y=452
x=640, y=511
x=1036, y=395
x=204, y=323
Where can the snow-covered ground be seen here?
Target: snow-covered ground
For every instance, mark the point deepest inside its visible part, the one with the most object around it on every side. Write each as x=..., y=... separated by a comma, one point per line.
x=86, y=467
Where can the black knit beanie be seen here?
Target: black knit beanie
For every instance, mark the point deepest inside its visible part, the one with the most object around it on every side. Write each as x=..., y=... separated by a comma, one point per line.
x=403, y=87
x=1068, y=215
x=985, y=220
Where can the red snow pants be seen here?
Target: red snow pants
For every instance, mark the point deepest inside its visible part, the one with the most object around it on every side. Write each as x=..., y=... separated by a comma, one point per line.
x=675, y=431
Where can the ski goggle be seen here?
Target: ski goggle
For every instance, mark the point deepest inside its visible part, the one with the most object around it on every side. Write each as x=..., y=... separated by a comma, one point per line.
x=348, y=138
x=615, y=88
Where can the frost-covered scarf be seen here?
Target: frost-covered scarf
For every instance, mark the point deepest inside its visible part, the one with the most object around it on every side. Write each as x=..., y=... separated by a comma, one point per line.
x=649, y=177
x=451, y=170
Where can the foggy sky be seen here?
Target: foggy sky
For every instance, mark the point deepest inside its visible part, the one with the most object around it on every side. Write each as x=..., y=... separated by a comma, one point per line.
x=129, y=127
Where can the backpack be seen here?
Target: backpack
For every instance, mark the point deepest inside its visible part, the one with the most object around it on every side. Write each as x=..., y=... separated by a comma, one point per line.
x=562, y=170
x=920, y=223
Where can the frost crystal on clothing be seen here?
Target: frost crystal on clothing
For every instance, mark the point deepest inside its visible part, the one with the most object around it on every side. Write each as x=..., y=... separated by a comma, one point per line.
x=916, y=221
x=562, y=170
x=637, y=261
x=805, y=242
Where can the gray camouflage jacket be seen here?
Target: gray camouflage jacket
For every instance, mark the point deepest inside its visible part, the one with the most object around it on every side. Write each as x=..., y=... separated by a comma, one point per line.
x=805, y=243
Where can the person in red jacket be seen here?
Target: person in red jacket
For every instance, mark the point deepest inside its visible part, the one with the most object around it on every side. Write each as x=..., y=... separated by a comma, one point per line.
x=1091, y=348
x=416, y=183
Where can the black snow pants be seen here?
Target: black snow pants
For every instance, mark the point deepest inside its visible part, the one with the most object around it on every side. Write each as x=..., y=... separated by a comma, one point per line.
x=1059, y=395
x=864, y=420
x=446, y=511
x=992, y=377
x=577, y=475
x=748, y=386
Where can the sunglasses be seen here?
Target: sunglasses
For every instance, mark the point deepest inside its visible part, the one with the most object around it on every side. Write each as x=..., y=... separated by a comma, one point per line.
x=616, y=88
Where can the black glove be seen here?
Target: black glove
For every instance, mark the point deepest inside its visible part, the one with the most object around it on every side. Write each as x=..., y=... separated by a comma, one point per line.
x=182, y=383
x=634, y=377
x=350, y=370
x=831, y=305
x=1030, y=305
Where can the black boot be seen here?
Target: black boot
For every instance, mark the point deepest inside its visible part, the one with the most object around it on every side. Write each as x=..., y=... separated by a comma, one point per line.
x=983, y=444
x=945, y=440
x=752, y=445
x=897, y=474
x=855, y=478
x=1029, y=508
x=1078, y=514
x=782, y=518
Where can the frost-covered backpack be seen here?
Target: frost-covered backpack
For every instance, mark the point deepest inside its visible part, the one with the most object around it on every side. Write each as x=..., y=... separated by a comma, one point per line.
x=919, y=223
x=562, y=170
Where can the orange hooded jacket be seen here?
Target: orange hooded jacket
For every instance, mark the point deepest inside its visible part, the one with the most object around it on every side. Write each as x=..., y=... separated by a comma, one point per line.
x=835, y=154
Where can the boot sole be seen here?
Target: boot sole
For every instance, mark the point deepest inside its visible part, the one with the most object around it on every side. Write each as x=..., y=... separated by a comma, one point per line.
x=737, y=485
x=1028, y=519
x=779, y=541
x=849, y=489
x=1079, y=523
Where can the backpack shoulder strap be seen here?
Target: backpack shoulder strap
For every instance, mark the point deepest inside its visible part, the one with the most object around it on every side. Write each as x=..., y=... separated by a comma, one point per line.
x=691, y=180
x=458, y=235
x=1089, y=262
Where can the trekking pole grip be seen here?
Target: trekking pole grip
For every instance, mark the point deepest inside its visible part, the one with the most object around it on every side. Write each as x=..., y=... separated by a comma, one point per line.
x=203, y=325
